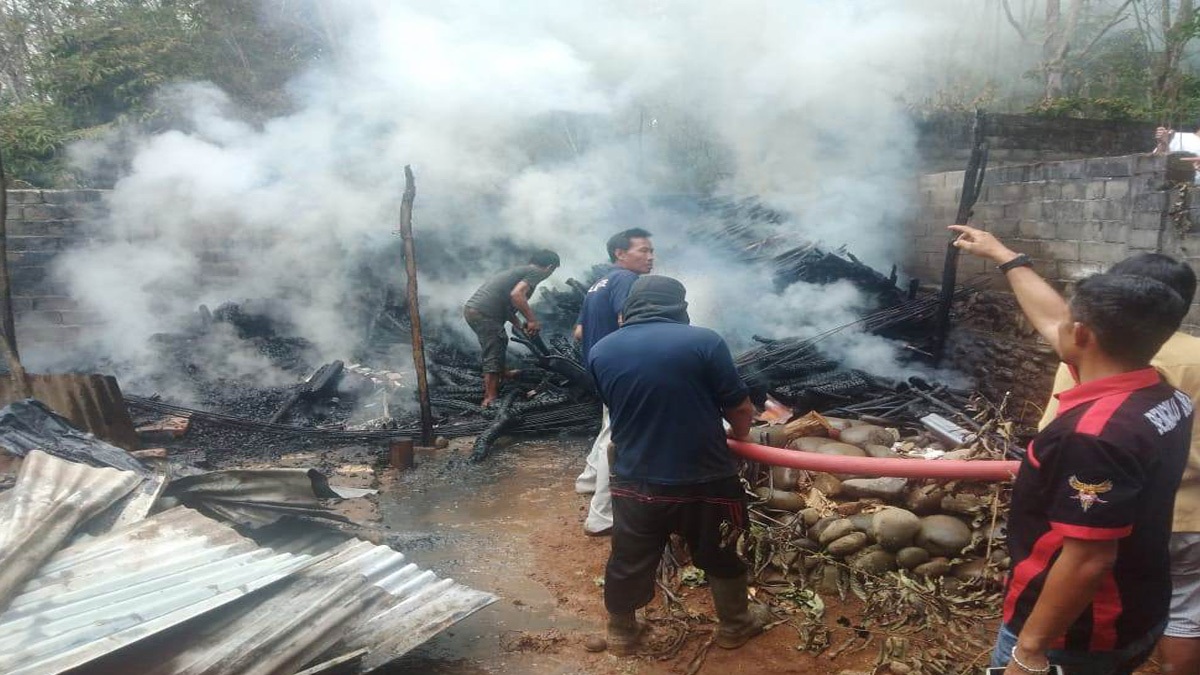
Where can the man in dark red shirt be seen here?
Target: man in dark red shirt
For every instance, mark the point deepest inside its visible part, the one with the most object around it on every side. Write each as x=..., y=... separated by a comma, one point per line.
x=1090, y=521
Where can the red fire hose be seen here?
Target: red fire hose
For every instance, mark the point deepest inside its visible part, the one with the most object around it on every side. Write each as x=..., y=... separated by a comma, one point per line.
x=874, y=466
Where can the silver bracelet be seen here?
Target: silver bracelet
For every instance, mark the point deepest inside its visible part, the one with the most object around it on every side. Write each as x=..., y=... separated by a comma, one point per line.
x=1022, y=666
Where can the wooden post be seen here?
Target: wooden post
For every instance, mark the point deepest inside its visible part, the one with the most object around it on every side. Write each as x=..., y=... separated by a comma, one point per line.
x=414, y=311
x=8, y=331
x=972, y=184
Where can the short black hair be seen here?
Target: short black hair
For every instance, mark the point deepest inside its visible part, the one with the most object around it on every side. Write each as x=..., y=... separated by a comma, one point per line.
x=1131, y=316
x=620, y=241
x=1179, y=276
x=544, y=258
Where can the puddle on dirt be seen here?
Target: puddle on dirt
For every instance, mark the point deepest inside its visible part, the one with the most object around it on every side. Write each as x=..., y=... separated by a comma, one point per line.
x=472, y=522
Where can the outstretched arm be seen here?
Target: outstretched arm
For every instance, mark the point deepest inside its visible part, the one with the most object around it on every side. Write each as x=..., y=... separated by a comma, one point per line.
x=1042, y=305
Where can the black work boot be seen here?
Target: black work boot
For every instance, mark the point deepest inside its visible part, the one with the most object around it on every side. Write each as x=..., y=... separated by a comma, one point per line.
x=738, y=621
x=624, y=633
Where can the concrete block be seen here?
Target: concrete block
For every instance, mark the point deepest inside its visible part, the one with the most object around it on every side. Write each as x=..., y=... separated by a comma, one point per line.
x=31, y=258
x=36, y=243
x=1116, y=232
x=1148, y=220
x=48, y=334
x=1003, y=227
x=1051, y=190
x=1073, y=189
x=1087, y=231
x=1110, y=166
x=1101, y=252
x=16, y=197
x=1104, y=209
x=1071, y=230
x=36, y=318
x=1070, y=270
x=22, y=304
x=1150, y=164
x=1094, y=189
x=55, y=303
x=1117, y=189
x=1014, y=192
x=48, y=228
x=927, y=182
x=45, y=212
x=1150, y=201
x=1065, y=210
x=81, y=318
x=1073, y=169
x=1030, y=247
x=1061, y=250
x=1143, y=239
x=79, y=196
x=1036, y=229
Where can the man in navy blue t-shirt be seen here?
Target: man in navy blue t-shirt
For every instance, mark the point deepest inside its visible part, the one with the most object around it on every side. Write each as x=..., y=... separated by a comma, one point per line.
x=667, y=386
x=632, y=255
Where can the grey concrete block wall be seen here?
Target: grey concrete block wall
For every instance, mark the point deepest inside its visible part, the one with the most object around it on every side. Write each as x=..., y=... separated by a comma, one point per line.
x=944, y=139
x=1074, y=218
x=41, y=225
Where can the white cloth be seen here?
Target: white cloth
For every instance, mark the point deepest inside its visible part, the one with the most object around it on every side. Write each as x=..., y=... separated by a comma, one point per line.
x=586, y=482
x=1184, y=142
x=599, y=517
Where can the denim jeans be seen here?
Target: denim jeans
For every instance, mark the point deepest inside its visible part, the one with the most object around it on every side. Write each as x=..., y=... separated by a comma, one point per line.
x=1118, y=662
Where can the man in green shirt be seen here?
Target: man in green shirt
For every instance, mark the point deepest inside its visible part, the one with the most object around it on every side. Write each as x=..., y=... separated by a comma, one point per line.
x=497, y=301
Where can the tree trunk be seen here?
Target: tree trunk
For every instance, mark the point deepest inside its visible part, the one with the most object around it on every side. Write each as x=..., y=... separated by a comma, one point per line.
x=1060, y=31
x=1177, y=33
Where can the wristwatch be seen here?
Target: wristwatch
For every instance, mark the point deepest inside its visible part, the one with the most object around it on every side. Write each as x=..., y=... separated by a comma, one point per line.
x=1021, y=260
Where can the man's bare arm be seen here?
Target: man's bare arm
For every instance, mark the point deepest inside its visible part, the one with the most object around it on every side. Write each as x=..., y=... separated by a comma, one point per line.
x=520, y=300
x=739, y=417
x=1042, y=305
x=1069, y=589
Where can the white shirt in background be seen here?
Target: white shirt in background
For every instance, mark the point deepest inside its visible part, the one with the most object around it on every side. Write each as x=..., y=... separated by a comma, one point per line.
x=1184, y=142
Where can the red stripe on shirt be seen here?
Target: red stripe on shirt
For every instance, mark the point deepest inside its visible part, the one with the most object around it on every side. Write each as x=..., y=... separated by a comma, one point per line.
x=1106, y=608
x=1032, y=459
x=1028, y=569
x=1091, y=533
x=1094, y=420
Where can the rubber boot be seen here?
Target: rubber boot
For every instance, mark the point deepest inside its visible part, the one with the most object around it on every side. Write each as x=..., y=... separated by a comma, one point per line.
x=738, y=621
x=624, y=634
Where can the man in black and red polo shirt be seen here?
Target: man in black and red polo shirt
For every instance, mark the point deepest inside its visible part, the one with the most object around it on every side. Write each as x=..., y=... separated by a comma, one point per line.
x=1090, y=521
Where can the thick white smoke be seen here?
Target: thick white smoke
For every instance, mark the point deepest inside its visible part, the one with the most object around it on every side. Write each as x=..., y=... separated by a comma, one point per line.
x=534, y=122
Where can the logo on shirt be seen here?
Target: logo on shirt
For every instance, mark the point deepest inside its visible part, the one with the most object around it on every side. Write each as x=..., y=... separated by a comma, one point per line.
x=1166, y=415
x=1089, y=493
x=598, y=285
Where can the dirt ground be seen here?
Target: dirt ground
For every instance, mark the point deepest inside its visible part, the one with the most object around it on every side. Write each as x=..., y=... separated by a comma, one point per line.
x=513, y=526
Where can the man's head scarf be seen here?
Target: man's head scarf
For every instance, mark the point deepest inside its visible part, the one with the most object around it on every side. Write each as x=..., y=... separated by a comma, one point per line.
x=656, y=298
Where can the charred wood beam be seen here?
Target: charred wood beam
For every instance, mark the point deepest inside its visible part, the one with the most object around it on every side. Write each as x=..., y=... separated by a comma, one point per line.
x=8, y=331
x=972, y=184
x=414, y=311
x=322, y=383
x=504, y=417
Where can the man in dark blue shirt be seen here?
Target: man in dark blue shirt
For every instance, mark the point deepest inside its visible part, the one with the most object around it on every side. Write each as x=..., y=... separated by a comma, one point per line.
x=667, y=386
x=632, y=255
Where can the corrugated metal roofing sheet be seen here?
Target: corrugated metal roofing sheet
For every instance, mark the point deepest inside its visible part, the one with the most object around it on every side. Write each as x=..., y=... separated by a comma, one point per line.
x=360, y=597
x=51, y=498
x=91, y=402
x=111, y=591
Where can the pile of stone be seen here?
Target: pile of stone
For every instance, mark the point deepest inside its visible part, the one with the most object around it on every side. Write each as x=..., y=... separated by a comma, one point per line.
x=931, y=528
